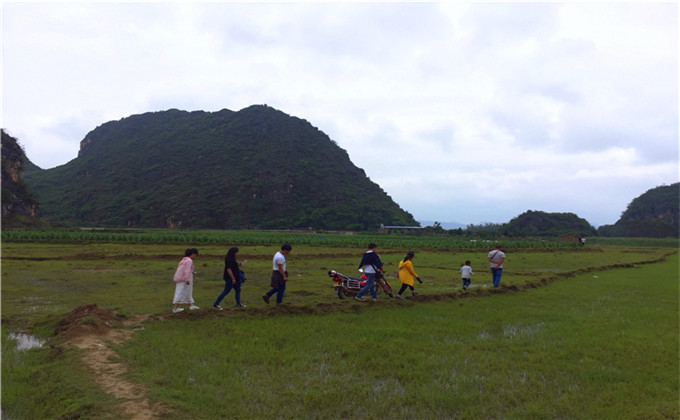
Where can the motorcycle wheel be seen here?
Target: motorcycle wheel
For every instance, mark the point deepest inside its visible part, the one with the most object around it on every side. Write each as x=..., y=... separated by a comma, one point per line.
x=388, y=289
x=341, y=293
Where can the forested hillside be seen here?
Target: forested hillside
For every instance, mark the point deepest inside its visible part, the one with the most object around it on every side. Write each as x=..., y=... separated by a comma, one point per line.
x=654, y=214
x=255, y=168
x=539, y=223
x=19, y=202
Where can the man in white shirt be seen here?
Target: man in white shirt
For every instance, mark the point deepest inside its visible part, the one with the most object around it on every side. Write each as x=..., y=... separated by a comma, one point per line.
x=279, y=275
x=496, y=258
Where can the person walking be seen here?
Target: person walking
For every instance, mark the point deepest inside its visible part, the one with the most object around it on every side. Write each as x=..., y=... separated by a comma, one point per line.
x=407, y=274
x=279, y=275
x=496, y=258
x=232, y=279
x=466, y=273
x=371, y=263
x=184, y=281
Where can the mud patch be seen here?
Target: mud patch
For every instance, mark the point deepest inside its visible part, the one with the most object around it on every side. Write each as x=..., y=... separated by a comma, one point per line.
x=85, y=320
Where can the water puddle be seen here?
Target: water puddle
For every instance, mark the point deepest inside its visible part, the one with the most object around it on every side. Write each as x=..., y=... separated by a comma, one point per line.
x=25, y=341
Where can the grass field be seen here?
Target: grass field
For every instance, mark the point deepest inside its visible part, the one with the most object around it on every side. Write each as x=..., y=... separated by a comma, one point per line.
x=575, y=333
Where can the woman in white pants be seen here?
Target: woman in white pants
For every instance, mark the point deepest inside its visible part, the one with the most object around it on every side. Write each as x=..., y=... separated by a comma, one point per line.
x=184, y=281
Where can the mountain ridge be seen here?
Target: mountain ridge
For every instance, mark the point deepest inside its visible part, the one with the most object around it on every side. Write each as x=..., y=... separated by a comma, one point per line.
x=253, y=168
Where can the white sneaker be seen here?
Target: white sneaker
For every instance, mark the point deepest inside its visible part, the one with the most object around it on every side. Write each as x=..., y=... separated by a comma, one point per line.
x=192, y=307
x=175, y=310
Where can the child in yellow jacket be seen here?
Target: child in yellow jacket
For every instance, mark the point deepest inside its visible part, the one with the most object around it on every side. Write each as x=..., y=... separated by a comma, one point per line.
x=406, y=275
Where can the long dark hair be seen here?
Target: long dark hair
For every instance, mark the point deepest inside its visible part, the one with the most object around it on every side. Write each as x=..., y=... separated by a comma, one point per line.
x=409, y=255
x=231, y=255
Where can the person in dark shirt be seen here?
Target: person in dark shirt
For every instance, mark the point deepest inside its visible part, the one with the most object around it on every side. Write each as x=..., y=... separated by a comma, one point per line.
x=371, y=263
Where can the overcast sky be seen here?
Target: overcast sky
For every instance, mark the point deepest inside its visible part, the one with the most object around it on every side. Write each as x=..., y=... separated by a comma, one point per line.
x=467, y=112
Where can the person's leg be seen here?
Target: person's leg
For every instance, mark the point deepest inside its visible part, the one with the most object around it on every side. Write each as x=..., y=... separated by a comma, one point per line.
x=369, y=285
x=267, y=295
x=371, y=280
x=279, y=293
x=237, y=293
x=403, y=288
x=227, y=289
x=496, y=272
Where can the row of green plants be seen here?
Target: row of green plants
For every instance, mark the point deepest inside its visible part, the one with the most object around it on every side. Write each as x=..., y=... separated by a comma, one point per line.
x=272, y=238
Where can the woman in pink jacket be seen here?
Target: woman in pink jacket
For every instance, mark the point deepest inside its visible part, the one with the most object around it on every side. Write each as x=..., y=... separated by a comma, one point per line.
x=184, y=281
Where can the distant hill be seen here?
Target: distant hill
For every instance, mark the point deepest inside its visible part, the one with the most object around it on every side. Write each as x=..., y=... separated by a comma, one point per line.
x=539, y=223
x=255, y=168
x=19, y=202
x=653, y=214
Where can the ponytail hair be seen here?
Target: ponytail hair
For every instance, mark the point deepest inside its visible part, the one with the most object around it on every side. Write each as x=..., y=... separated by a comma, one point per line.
x=409, y=256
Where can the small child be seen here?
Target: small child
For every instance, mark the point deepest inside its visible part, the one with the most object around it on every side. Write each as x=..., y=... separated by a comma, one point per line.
x=466, y=272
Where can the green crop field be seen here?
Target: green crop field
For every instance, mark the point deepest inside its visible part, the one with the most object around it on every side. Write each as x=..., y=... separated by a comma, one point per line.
x=574, y=332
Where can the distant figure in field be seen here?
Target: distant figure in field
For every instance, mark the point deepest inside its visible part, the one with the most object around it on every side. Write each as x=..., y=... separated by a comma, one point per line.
x=407, y=274
x=184, y=281
x=371, y=263
x=232, y=279
x=582, y=240
x=466, y=273
x=496, y=258
x=279, y=275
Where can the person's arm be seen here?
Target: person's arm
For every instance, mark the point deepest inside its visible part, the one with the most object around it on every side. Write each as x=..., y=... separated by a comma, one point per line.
x=191, y=271
x=231, y=274
x=500, y=262
x=184, y=270
x=409, y=267
x=283, y=272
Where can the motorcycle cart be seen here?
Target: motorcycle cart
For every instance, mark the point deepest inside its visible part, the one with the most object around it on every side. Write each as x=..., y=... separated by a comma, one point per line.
x=350, y=286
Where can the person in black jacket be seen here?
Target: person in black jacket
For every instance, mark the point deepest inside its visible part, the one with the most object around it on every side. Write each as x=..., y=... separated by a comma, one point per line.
x=371, y=263
x=232, y=279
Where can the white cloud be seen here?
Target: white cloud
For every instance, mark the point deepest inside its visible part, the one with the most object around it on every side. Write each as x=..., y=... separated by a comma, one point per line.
x=470, y=112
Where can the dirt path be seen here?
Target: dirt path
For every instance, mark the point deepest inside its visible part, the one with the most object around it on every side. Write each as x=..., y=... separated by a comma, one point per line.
x=91, y=330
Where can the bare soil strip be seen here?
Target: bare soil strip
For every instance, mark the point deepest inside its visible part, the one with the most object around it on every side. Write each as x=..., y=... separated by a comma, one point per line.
x=91, y=329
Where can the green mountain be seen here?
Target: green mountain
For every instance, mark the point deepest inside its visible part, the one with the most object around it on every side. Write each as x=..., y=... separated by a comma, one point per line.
x=257, y=168
x=654, y=214
x=19, y=202
x=539, y=223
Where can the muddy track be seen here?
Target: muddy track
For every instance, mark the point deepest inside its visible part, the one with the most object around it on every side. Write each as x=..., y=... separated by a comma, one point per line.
x=92, y=330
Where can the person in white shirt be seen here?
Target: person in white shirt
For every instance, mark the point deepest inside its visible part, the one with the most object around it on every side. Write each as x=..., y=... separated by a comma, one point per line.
x=496, y=258
x=279, y=275
x=465, y=273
